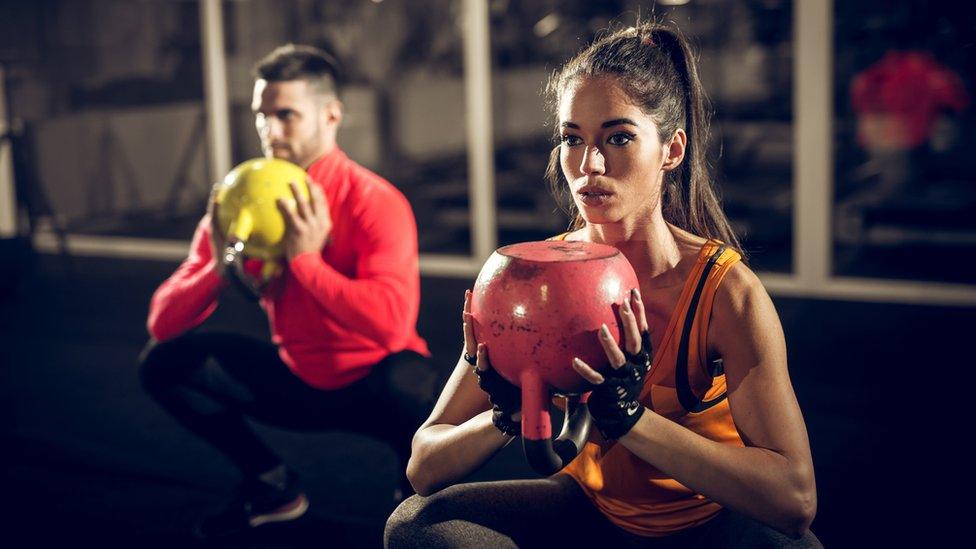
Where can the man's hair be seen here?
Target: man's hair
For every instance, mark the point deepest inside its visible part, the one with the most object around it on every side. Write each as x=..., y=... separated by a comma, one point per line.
x=297, y=62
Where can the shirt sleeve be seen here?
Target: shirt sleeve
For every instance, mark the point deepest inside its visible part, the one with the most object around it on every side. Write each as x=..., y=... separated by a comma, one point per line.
x=190, y=294
x=383, y=299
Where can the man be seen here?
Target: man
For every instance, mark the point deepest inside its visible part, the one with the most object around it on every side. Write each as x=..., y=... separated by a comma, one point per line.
x=345, y=352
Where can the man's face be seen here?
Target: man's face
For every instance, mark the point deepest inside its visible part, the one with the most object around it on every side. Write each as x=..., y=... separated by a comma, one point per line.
x=293, y=121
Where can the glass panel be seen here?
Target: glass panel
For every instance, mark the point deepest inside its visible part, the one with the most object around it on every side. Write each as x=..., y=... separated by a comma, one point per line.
x=113, y=94
x=404, y=99
x=905, y=183
x=107, y=99
x=746, y=62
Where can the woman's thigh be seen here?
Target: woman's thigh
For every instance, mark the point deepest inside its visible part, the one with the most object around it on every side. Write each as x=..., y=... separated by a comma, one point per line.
x=512, y=513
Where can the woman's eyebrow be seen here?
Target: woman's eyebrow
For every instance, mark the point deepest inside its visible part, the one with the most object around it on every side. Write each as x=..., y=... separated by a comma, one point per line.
x=607, y=124
x=618, y=122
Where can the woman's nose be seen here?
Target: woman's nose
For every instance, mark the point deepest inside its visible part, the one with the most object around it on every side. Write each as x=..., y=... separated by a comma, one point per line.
x=593, y=162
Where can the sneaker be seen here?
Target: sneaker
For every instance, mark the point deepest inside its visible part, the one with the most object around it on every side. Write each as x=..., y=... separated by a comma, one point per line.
x=256, y=503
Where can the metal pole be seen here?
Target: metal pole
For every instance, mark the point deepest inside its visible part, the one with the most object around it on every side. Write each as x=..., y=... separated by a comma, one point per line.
x=812, y=159
x=481, y=153
x=215, y=88
x=8, y=198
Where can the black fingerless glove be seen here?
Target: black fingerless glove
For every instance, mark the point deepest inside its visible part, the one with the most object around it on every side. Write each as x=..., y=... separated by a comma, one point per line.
x=613, y=403
x=506, y=400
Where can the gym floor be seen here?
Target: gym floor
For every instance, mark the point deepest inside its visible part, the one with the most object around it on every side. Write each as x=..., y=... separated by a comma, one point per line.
x=87, y=456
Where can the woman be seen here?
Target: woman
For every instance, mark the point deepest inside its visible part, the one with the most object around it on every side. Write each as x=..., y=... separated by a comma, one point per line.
x=701, y=439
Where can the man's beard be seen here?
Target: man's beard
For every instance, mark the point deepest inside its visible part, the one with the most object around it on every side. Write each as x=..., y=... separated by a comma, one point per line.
x=284, y=153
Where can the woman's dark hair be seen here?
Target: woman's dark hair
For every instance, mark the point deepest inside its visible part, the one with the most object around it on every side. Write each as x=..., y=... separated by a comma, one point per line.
x=654, y=64
x=297, y=62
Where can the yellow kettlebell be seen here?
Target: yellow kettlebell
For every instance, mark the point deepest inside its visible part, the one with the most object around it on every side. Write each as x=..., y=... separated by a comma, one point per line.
x=247, y=212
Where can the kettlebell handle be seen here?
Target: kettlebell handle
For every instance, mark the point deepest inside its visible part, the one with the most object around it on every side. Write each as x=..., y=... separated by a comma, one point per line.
x=233, y=260
x=547, y=456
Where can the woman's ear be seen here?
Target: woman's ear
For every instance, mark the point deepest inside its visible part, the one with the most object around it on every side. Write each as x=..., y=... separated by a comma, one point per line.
x=674, y=151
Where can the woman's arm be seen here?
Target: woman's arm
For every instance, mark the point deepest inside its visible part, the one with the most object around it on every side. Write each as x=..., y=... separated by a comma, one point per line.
x=770, y=479
x=459, y=435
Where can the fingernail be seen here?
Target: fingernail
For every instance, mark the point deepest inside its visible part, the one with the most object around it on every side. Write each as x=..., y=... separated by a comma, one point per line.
x=627, y=305
x=604, y=330
x=577, y=361
x=637, y=294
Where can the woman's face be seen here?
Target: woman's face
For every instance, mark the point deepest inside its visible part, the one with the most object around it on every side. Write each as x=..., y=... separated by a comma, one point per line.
x=610, y=153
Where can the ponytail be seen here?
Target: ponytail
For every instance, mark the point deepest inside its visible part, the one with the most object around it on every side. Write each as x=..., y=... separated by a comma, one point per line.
x=694, y=204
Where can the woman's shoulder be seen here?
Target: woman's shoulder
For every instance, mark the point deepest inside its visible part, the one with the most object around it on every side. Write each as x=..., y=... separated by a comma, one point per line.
x=740, y=291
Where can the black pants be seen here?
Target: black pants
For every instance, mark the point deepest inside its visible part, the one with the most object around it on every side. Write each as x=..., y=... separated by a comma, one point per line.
x=209, y=382
x=551, y=512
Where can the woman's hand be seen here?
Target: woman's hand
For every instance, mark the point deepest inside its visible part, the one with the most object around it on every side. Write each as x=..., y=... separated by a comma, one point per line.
x=506, y=399
x=613, y=402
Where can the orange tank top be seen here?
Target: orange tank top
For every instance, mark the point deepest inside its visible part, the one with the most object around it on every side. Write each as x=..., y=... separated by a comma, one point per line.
x=682, y=386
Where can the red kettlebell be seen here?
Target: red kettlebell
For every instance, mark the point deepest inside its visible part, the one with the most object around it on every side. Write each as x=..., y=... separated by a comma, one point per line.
x=536, y=306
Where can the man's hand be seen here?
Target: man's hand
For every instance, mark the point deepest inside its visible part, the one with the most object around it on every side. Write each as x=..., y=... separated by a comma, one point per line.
x=307, y=227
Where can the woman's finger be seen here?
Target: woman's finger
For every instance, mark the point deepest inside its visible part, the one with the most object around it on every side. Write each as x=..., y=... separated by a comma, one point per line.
x=637, y=304
x=467, y=325
x=587, y=373
x=610, y=347
x=482, y=364
x=631, y=333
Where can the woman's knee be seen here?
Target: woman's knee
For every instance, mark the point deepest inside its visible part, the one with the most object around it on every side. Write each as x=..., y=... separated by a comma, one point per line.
x=404, y=528
x=737, y=530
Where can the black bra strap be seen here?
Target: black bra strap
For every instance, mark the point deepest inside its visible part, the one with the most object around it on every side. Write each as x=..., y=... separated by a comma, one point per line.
x=686, y=397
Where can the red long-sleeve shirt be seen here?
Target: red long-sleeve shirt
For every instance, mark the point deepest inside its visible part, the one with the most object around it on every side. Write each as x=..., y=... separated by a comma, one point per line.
x=332, y=314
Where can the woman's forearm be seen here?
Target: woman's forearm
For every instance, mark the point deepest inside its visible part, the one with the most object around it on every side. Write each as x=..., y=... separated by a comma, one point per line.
x=758, y=482
x=443, y=454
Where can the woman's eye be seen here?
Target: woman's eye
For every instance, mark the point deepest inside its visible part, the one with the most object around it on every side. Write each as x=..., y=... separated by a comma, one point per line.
x=571, y=140
x=620, y=139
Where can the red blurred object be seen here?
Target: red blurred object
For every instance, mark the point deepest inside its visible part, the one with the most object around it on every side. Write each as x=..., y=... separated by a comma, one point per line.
x=536, y=305
x=898, y=98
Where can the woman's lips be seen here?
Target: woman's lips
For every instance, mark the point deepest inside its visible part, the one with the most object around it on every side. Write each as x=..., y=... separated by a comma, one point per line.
x=593, y=197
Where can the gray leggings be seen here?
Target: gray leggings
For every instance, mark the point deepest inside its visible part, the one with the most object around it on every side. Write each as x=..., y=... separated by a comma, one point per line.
x=551, y=512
